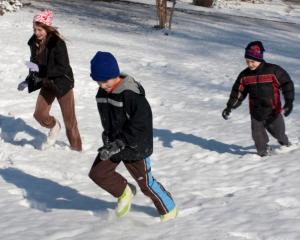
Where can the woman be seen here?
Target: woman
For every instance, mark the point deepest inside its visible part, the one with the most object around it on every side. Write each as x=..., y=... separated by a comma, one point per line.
x=49, y=58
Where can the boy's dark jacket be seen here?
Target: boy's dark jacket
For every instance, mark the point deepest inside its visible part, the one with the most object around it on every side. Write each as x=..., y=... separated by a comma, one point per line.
x=126, y=115
x=54, y=65
x=263, y=86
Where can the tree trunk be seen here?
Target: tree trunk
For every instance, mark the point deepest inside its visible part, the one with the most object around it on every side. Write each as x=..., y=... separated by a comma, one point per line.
x=171, y=14
x=161, y=6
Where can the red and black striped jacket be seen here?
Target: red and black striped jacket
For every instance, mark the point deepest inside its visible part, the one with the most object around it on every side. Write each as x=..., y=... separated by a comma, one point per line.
x=263, y=86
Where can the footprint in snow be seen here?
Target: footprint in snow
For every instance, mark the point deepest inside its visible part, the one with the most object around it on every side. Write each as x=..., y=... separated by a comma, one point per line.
x=288, y=202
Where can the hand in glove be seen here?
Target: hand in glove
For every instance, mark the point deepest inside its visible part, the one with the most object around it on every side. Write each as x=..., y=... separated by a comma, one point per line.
x=107, y=151
x=22, y=85
x=287, y=108
x=226, y=112
x=32, y=66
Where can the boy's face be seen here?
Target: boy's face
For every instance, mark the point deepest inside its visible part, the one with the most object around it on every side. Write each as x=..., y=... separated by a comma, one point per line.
x=252, y=64
x=108, y=85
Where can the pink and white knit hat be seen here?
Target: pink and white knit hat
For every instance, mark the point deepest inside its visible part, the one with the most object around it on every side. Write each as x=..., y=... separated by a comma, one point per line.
x=45, y=17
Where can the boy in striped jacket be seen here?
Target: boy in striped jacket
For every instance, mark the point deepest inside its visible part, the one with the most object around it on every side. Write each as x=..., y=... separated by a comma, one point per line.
x=263, y=82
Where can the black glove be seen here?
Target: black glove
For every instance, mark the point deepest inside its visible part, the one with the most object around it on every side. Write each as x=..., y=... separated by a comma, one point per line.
x=226, y=112
x=22, y=85
x=107, y=151
x=287, y=108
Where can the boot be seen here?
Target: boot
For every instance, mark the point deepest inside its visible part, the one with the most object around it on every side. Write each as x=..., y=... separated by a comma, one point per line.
x=266, y=152
x=170, y=215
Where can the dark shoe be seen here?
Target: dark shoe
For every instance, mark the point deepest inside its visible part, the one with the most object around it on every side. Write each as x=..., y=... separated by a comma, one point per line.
x=266, y=152
x=286, y=145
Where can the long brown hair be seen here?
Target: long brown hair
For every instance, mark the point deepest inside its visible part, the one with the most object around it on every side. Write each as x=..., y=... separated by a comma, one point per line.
x=51, y=31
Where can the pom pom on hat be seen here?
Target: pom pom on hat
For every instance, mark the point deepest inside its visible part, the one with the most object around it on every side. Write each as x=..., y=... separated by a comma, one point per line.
x=45, y=17
x=255, y=51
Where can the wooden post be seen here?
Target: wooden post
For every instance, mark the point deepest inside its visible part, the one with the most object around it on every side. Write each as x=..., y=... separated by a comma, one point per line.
x=161, y=6
x=171, y=14
x=157, y=9
x=162, y=13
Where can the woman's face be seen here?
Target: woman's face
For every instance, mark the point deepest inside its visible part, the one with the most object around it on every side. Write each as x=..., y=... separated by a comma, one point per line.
x=39, y=32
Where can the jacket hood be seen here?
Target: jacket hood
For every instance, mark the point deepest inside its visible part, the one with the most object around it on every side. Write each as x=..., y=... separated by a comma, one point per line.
x=129, y=83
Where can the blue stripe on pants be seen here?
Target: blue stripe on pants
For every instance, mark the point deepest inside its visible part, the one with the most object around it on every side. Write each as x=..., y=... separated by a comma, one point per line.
x=158, y=189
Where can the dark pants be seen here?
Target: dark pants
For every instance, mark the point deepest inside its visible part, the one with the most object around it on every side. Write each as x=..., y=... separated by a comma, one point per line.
x=104, y=175
x=67, y=106
x=275, y=127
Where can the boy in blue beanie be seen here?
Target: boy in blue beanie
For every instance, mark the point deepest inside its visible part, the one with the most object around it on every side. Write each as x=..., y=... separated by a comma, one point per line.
x=263, y=82
x=127, y=122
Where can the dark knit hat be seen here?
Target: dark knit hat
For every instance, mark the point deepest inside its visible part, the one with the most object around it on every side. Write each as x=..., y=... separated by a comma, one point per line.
x=255, y=51
x=104, y=66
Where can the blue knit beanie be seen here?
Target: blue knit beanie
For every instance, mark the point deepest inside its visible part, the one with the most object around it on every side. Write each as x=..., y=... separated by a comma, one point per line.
x=104, y=66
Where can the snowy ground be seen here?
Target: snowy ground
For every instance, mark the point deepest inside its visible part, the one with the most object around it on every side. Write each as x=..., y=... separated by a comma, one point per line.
x=222, y=189
x=276, y=10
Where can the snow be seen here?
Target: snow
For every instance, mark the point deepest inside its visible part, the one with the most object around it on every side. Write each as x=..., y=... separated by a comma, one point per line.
x=267, y=9
x=274, y=10
x=223, y=190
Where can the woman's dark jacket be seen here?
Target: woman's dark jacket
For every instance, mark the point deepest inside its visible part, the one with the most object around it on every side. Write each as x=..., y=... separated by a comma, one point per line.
x=53, y=64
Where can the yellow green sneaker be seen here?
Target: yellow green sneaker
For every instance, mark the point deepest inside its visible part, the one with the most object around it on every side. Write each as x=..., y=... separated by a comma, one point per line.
x=170, y=215
x=124, y=201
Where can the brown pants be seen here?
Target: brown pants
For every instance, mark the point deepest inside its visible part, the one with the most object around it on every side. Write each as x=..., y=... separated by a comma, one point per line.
x=104, y=175
x=67, y=106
